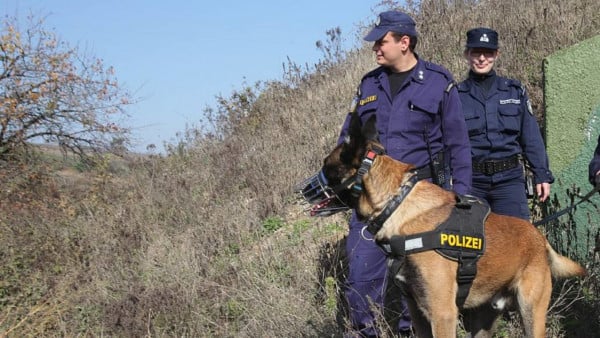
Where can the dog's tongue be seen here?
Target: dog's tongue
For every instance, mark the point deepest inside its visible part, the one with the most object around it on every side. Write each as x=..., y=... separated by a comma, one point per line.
x=316, y=210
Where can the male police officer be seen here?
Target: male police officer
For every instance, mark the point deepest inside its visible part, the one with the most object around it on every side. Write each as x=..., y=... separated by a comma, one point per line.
x=594, y=168
x=420, y=121
x=501, y=127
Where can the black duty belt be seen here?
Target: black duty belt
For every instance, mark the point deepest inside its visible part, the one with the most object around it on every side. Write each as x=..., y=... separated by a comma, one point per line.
x=491, y=167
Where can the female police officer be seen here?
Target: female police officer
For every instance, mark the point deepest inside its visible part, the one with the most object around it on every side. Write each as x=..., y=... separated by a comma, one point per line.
x=501, y=129
x=420, y=121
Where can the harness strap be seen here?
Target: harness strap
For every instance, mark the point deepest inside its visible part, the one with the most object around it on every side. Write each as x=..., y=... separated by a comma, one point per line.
x=467, y=270
x=365, y=165
x=400, y=246
x=375, y=224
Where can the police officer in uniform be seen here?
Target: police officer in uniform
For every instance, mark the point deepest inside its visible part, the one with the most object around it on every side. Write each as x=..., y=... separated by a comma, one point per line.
x=420, y=121
x=594, y=168
x=501, y=128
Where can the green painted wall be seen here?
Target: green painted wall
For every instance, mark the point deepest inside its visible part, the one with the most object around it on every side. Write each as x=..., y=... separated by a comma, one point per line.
x=572, y=102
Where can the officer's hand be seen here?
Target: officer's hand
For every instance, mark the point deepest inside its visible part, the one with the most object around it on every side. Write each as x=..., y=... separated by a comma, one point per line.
x=543, y=190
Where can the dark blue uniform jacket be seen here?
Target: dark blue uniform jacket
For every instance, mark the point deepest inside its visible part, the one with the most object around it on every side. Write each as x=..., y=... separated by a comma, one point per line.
x=502, y=125
x=426, y=110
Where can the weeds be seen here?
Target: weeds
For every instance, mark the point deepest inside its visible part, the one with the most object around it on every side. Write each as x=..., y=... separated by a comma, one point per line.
x=206, y=240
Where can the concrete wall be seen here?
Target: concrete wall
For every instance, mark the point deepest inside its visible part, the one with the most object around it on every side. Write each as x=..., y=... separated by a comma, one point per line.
x=572, y=100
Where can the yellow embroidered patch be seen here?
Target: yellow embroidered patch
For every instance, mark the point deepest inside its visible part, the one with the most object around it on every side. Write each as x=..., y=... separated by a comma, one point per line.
x=367, y=100
x=461, y=241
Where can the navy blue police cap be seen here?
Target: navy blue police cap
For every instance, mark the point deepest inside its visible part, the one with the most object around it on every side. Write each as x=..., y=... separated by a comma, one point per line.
x=392, y=21
x=482, y=38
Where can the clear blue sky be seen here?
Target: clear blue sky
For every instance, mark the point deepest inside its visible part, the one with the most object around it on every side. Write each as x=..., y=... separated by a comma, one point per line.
x=178, y=55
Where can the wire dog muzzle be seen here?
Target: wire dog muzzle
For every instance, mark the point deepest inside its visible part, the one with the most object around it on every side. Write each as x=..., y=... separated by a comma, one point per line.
x=323, y=198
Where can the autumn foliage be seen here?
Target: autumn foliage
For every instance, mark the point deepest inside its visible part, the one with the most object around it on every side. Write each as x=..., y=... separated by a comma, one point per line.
x=53, y=93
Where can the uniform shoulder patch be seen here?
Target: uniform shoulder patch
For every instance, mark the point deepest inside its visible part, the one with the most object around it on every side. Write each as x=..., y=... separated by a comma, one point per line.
x=529, y=108
x=523, y=93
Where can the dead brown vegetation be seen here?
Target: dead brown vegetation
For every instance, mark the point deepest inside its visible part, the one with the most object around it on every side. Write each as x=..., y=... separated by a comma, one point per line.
x=207, y=240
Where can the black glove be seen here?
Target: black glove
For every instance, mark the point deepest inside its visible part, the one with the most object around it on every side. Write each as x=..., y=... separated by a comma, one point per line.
x=597, y=179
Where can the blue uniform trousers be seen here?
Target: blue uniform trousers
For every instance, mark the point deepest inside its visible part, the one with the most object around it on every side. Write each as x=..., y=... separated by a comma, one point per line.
x=367, y=283
x=504, y=197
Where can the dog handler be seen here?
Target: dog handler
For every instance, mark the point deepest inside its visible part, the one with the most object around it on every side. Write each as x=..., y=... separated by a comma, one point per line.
x=501, y=128
x=420, y=121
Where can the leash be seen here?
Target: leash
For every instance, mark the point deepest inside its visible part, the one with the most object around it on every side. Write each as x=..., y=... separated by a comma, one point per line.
x=569, y=208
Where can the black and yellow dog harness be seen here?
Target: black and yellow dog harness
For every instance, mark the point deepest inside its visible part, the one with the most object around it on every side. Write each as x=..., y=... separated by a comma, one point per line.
x=460, y=238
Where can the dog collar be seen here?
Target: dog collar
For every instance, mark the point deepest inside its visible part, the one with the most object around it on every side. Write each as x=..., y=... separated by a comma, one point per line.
x=365, y=165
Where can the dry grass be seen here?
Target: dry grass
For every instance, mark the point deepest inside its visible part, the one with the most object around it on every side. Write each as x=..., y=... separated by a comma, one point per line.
x=209, y=240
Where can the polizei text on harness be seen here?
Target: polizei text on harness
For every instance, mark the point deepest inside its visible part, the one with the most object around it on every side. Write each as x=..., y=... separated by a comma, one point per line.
x=461, y=241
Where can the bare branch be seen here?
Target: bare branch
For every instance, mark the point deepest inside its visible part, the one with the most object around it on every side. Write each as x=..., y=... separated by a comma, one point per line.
x=51, y=92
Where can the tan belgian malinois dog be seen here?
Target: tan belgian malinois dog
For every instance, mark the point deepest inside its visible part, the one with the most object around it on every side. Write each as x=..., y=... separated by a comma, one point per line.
x=515, y=270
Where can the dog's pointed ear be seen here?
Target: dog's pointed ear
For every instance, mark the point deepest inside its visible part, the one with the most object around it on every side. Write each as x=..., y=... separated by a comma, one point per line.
x=354, y=130
x=353, y=140
x=369, y=130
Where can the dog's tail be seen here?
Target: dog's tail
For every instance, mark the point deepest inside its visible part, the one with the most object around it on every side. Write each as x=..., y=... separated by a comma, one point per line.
x=561, y=266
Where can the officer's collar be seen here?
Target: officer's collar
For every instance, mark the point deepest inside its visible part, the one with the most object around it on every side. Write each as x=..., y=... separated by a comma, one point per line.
x=481, y=77
x=389, y=72
x=418, y=71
